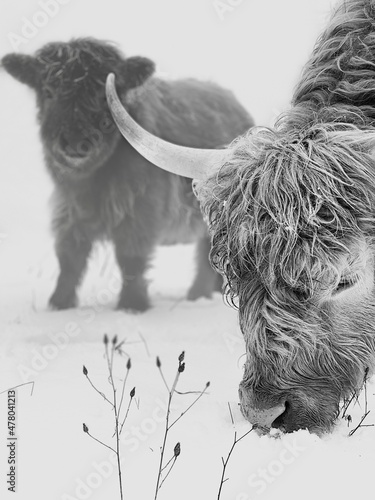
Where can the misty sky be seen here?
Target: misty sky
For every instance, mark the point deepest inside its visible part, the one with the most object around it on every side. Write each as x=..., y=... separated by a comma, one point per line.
x=257, y=48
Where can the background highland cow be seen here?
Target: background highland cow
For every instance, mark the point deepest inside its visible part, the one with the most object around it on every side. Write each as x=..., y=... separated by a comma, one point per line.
x=291, y=213
x=104, y=188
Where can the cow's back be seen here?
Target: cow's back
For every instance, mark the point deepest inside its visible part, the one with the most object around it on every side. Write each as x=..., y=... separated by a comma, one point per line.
x=189, y=112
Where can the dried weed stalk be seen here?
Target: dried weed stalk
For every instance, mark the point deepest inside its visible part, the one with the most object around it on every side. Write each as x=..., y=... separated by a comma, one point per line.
x=165, y=469
x=114, y=400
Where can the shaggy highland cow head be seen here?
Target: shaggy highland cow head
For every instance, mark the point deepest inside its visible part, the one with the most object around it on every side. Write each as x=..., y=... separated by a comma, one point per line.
x=292, y=219
x=77, y=130
x=291, y=212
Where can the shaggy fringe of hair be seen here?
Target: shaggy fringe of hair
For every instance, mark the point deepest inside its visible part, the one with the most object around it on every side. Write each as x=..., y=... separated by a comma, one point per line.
x=84, y=61
x=342, y=66
x=290, y=194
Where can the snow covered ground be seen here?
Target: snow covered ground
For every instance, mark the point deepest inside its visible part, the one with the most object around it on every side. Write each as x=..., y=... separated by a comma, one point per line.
x=56, y=460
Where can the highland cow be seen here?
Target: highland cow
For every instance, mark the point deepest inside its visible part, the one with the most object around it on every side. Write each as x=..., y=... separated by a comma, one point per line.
x=291, y=213
x=103, y=187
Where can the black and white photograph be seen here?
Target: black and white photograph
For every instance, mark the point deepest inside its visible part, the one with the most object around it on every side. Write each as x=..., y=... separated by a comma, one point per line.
x=187, y=249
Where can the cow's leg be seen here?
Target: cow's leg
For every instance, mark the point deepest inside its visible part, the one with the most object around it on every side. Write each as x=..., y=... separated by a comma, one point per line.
x=133, y=255
x=206, y=280
x=134, y=293
x=73, y=249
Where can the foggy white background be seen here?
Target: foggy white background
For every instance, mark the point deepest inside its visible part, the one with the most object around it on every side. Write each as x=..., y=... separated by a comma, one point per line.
x=257, y=49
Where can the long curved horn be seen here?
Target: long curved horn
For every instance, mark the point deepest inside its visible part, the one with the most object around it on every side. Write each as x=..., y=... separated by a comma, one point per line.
x=180, y=160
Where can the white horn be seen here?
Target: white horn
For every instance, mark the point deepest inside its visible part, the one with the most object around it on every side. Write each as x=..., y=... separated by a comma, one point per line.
x=180, y=160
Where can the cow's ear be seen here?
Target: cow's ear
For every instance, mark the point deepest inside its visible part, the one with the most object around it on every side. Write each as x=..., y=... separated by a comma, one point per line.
x=137, y=70
x=23, y=67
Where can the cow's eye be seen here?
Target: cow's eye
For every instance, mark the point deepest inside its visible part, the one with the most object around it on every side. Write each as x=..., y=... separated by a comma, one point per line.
x=345, y=283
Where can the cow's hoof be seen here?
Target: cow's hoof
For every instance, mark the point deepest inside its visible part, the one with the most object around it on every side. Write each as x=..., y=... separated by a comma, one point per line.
x=134, y=301
x=60, y=301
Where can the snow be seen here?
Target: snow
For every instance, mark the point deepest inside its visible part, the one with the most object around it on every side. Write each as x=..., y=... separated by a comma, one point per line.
x=56, y=459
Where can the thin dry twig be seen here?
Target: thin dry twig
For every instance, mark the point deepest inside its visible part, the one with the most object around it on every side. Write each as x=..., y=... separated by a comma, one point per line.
x=158, y=364
x=176, y=451
x=225, y=462
x=192, y=404
x=109, y=349
x=21, y=385
x=168, y=425
x=85, y=372
x=132, y=393
x=355, y=396
x=128, y=366
x=86, y=431
x=145, y=344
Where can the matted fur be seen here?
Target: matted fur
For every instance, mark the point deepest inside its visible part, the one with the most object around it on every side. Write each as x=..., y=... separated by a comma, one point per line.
x=290, y=216
x=103, y=187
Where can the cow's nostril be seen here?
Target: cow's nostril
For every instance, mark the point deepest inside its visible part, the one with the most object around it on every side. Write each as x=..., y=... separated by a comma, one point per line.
x=263, y=418
x=73, y=148
x=280, y=420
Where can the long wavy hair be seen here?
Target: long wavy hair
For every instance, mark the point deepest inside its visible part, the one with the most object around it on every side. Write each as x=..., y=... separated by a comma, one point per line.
x=288, y=204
